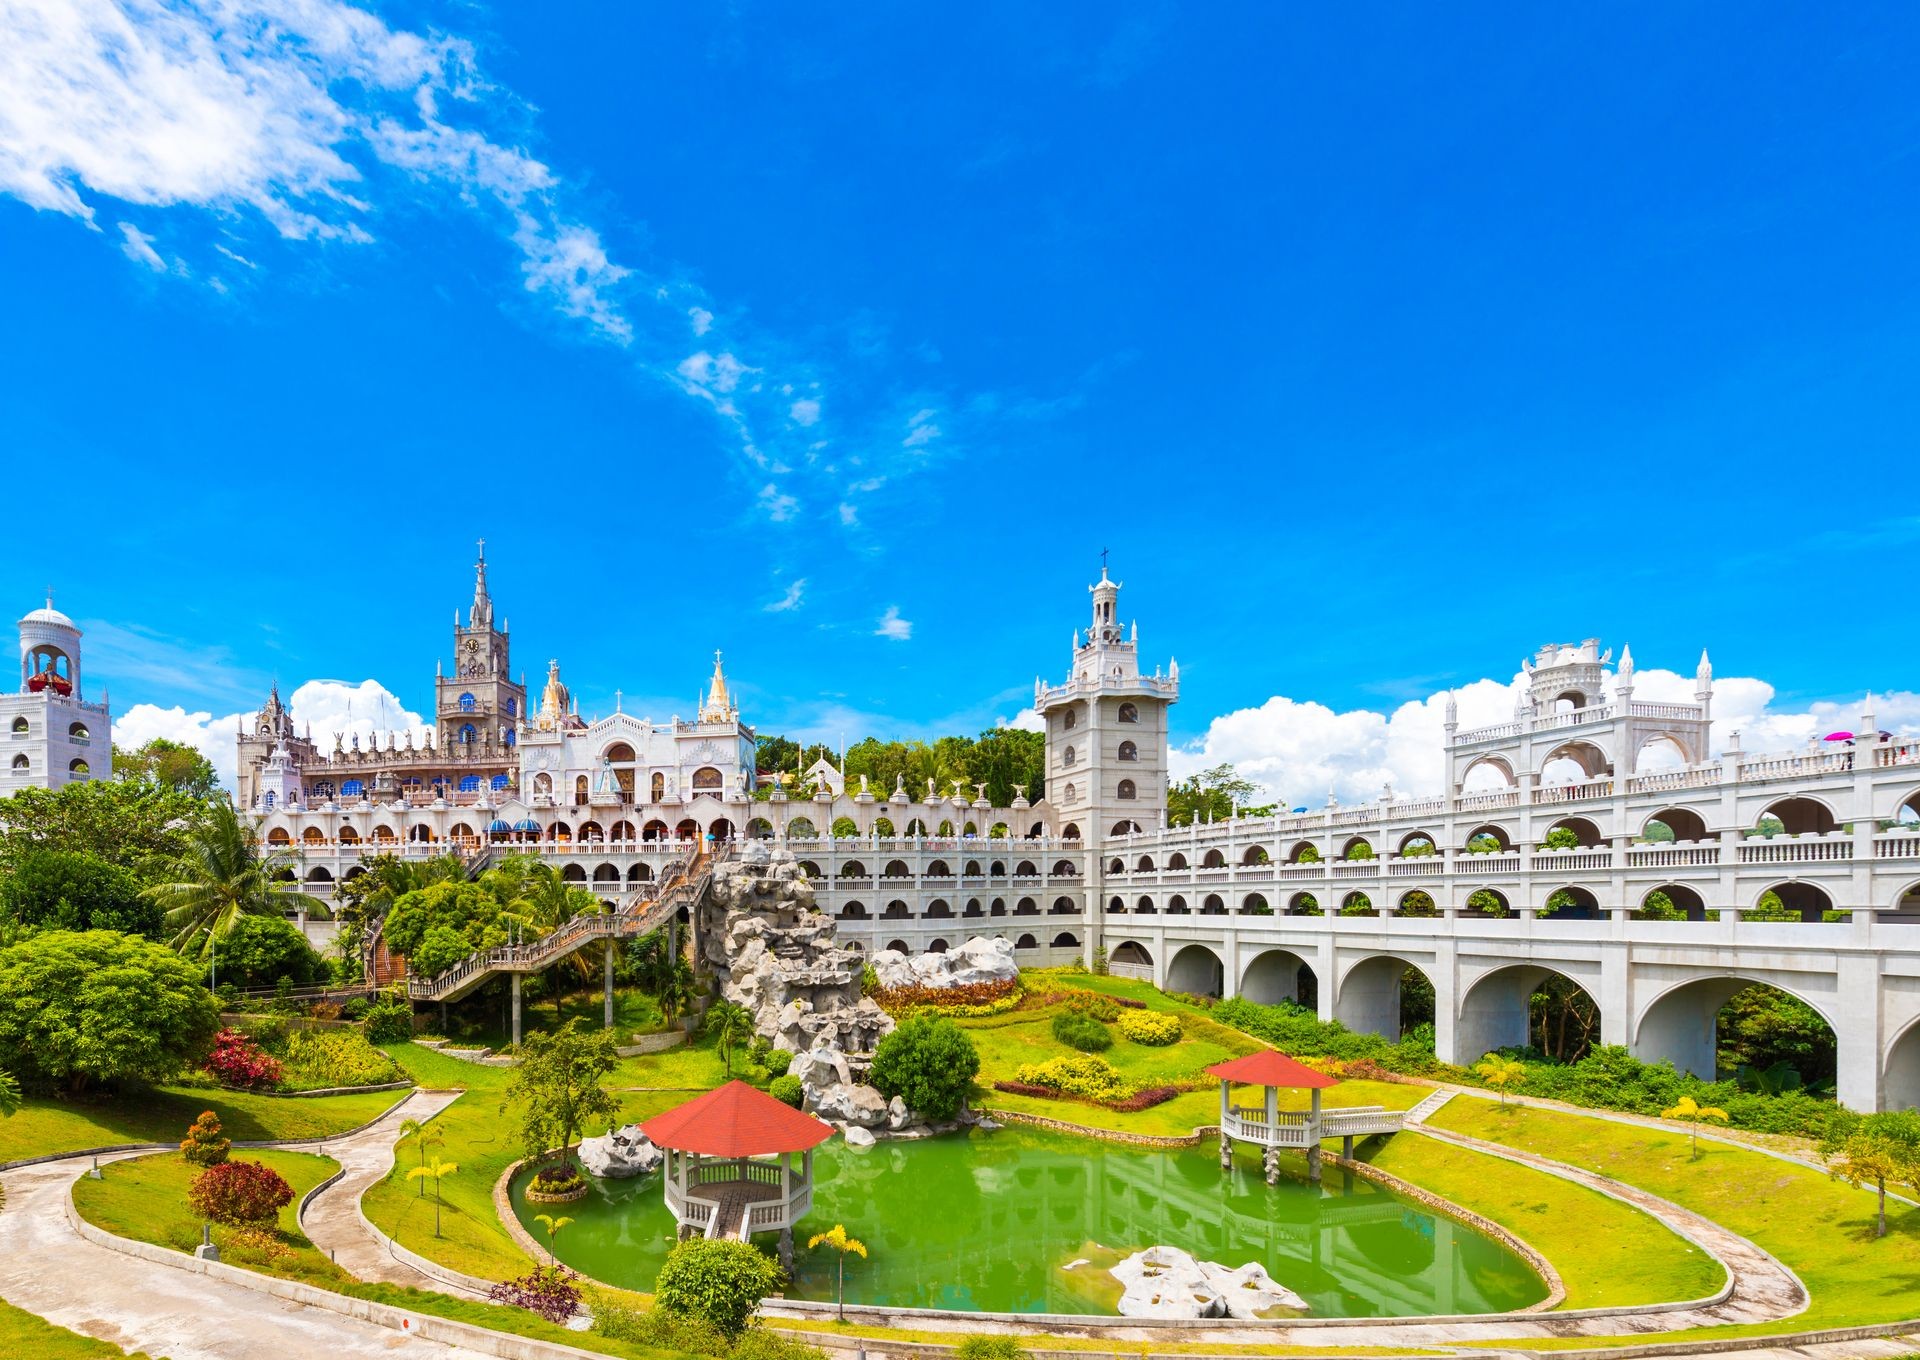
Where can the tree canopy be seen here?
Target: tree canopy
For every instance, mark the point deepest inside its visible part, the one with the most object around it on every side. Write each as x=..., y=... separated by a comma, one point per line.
x=1000, y=757
x=929, y=1063
x=128, y=824
x=1212, y=795
x=74, y=890
x=222, y=874
x=169, y=764
x=557, y=1086
x=260, y=950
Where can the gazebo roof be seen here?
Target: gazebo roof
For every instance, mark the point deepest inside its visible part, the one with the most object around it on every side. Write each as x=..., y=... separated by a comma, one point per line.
x=736, y=1121
x=1271, y=1068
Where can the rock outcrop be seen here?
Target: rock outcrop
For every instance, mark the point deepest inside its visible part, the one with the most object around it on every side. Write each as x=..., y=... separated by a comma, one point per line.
x=620, y=1153
x=774, y=954
x=979, y=960
x=1165, y=1282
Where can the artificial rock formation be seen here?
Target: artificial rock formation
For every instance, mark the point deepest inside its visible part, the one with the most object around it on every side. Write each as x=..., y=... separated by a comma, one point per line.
x=981, y=959
x=1165, y=1282
x=774, y=954
x=619, y=1153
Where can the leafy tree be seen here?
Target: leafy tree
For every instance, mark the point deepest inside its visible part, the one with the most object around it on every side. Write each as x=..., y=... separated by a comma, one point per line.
x=1761, y=1027
x=716, y=1282
x=1483, y=843
x=557, y=1087
x=98, y=1006
x=1500, y=1073
x=1003, y=757
x=366, y=897
x=435, y=1171
x=223, y=874
x=929, y=1063
x=260, y=950
x=1870, y=1150
x=1691, y=1112
x=1561, y=838
x=170, y=764
x=1563, y=1017
x=836, y=1237
x=1211, y=796
x=844, y=828
x=131, y=825
x=468, y=913
x=732, y=1025
x=75, y=890
x=1486, y=903
x=675, y=991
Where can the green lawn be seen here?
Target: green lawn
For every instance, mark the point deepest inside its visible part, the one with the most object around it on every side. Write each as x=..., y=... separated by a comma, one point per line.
x=1819, y=1228
x=1609, y=1254
x=23, y=1333
x=634, y=1013
x=144, y=1198
x=161, y=1115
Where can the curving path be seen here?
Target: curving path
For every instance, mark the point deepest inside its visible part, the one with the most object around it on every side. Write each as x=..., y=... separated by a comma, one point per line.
x=48, y=1268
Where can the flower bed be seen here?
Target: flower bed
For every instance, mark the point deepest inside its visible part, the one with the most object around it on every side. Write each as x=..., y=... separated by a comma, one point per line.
x=1156, y=1029
x=1144, y=1099
x=970, y=1000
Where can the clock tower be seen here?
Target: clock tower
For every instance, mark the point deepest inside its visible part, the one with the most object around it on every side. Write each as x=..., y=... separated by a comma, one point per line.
x=479, y=708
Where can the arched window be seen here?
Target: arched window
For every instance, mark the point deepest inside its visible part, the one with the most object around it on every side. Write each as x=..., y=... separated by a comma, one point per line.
x=508, y=738
x=659, y=787
x=1128, y=713
x=20, y=762
x=1128, y=751
x=706, y=780
x=78, y=733
x=469, y=783
x=543, y=783
x=353, y=788
x=466, y=703
x=78, y=767
x=1066, y=756
x=468, y=734
x=510, y=706
x=20, y=727
x=1125, y=790
x=1070, y=721
x=498, y=782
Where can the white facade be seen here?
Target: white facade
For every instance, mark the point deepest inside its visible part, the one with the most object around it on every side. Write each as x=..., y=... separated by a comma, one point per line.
x=53, y=736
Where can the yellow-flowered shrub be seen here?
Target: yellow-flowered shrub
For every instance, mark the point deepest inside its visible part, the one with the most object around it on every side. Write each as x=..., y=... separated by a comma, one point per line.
x=1156, y=1028
x=1081, y=1075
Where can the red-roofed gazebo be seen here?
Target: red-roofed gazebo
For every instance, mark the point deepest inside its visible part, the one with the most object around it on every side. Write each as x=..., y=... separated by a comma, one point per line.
x=730, y=1169
x=1271, y=1128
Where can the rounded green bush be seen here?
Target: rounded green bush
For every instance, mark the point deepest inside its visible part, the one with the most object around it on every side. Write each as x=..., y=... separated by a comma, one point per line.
x=786, y=1089
x=1082, y=1032
x=777, y=1062
x=1154, y=1028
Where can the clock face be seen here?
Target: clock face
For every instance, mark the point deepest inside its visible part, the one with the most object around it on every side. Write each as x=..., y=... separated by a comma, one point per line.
x=473, y=644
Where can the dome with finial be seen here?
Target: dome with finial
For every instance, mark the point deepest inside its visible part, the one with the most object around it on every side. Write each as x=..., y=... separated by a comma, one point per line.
x=49, y=615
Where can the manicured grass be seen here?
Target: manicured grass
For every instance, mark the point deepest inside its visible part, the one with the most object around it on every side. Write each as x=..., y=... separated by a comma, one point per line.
x=161, y=1115
x=24, y=1334
x=144, y=1198
x=1609, y=1254
x=634, y=1012
x=1819, y=1228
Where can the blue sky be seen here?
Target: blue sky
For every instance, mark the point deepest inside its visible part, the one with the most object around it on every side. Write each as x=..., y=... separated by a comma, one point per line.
x=1378, y=346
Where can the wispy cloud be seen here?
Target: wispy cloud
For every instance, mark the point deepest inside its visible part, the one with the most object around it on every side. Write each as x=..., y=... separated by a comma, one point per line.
x=791, y=600
x=138, y=247
x=893, y=626
x=778, y=506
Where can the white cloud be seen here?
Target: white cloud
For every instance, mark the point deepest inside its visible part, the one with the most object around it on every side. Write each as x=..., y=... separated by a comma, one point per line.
x=327, y=706
x=713, y=372
x=893, y=626
x=138, y=247
x=920, y=430
x=804, y=412
x=1026, y=720
x=790, y=600
x=849, y=513
x=701, y=318
x=1298, y=750
x=779, y=506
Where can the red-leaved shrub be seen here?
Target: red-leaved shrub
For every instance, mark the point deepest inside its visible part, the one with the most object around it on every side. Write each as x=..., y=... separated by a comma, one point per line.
x=237, y=1060
x=551, y=1292
x=241, y=1193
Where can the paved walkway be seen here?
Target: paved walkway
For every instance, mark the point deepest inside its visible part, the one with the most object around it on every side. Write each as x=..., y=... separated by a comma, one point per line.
x=49, y=1269
x=332, y=1221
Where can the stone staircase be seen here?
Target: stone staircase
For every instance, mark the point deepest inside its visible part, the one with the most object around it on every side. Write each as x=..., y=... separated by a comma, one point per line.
x=1427, y=1108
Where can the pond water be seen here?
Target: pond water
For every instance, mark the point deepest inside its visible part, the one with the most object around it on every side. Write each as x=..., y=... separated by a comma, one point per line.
x=987, y=1221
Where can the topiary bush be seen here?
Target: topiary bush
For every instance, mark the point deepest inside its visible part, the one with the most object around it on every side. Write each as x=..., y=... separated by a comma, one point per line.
x=240, y=1193
x=204, y=1145
x=777, y=1062
x=787, y=1090
x=1156, y=1029
x=1095, y=1004
x=715, y=1282
x=1082, y=1032
x=928, y=1063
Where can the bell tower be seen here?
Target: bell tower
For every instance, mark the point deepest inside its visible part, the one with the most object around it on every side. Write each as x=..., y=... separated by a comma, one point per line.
x=479, y=708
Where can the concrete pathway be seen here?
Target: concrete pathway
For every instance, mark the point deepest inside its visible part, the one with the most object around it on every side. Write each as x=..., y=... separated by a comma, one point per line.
x=332, y=1221
x=49, y=1269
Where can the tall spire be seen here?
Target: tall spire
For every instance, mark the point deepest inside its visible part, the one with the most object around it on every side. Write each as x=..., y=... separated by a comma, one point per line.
x=716, y=705
x=482, y=616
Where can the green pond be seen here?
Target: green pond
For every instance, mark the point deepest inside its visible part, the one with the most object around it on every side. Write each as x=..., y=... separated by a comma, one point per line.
x=988, y=1221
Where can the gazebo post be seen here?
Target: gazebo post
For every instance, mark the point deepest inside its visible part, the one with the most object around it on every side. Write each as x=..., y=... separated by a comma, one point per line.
x=1313, y=1139
x=1271, y=1157
x=1226, y=1143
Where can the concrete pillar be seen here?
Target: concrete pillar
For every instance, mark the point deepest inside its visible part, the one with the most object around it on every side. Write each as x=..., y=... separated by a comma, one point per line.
x=1859, y=1034
x=607, y=984
x=516, y=1010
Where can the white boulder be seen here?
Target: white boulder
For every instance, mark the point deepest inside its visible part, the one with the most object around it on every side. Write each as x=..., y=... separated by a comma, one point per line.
x=849, y=1104
x=978, y=960
x=898, y=1115
x=1165, y=1282
x=620, y=1153
x=858, y=1137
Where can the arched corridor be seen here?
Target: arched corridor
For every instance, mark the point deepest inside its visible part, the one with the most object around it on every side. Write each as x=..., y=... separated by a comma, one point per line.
x=1277, y=975
x=1197, y=971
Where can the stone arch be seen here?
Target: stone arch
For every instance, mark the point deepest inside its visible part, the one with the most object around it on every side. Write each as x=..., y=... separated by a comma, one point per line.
x=606, y=873
x=1213, y=905
x=1196, y=970
x=1144, y=865
x=1496, y=1008
x=937, y=947
x=1177, y=906
x=1126, y=828
x=853, y=911
x=1357, y=847
x=997, y=907
x=896, y=868
x=971, y=869
x=1306, y=852
x=1303, y=904
x=318, y=874
x=1418, y=843
x=1571, y=903
x=1255, y=904
x=1063, y=906
x=1213, y=859
x=973, y=908
x=622, y=832
x=1801, y=815
x=574, y=873
x=853, y=868
x=883, y=828
x=939, y=910
x=1357, y=903
x=1416, y=902
x=279, y=836
x=1026, y=868
x=1368, y=994
x=1026, y=942
x=640, y=873
x=939, y=869
x=1495, y=832
x=1486, y=901
x=760, y=829
x=898, y=946
x=1583, y=829
x=591, y=831
x=1131, y=953
x=1900, y=1072
x=655, y=830
x=1255, y=854
x=1681, y=1023
x=1677, y=823
x=1661, y=751
x=1276, y=975
x=1575, y=762
x=802, y=829
x=1681, y=897
x=810, y=869
x=1066, y=939
x=1064, y=868
x=1026, y=906
x=1809, y=900
x=720, y=829
x=1116, y=906
x=1070, y=832
x=1144, y=906
x=560, y=833
x=1485, y=767
x=895, y=910
x=1176, y=860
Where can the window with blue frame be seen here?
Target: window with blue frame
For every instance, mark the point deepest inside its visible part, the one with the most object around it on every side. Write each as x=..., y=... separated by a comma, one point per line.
x=511, y=710
x=469, y=783
x=466, y=703
x=508, y=739
x=499, y=781
x=468, y=735
x=353, y=788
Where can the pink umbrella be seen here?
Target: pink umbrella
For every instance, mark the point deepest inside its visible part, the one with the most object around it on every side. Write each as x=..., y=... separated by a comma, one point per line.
x=1839, y=736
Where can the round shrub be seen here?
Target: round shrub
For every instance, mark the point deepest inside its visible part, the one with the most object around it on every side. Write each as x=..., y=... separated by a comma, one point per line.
x=1154, y=1028
x=1082, y=1032
x=240, y=1193
x=777, y=1062
x=787, y=1090
x=389, y=1021
x=1095, y=1004
x=1082, y=1075
x=715, y=1282
x=204, y=1145
x=238, y=1061
x=930, y=1064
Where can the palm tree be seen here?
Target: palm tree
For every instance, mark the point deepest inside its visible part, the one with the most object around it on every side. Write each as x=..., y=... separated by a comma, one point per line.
x=1500, y=1073
x=553, y=1224
x=224, y=874
x=423, y=1138
x=836, y=1237
x=1693, y=1113
x=434, y=1170
x=675, y=990
x=732, y=1024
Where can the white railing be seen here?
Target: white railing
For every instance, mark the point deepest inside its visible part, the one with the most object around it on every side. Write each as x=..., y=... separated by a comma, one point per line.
x=1797, y=849
x=1583, y=858
x=1574, y=793
x=1673, y=854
